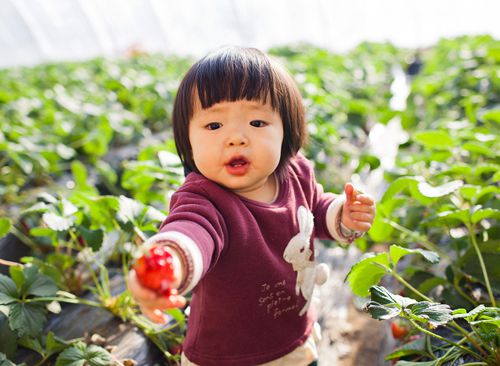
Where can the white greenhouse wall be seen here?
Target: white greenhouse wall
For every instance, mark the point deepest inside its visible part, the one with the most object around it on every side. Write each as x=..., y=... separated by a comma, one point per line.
x=34, y=31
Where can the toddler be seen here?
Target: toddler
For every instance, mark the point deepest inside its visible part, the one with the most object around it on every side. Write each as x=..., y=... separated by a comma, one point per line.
x=242, y=225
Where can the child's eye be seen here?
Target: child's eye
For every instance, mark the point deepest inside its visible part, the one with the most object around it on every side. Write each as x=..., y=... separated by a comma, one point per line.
x=213, y=125
x=258, y=123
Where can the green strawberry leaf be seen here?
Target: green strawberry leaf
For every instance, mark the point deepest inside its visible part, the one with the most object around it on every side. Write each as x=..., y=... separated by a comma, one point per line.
x=439, y=140
x=8, y=290
x=54, y=344
x=488, y=332
x=432, y=313
x=80, y=174
x=382, y=312
x=380, y=230
x=469, y=191
x=5, y=225
x=383, y=296
x=16, y=274
x=41, y=231
x=8, y=345
x=398, y=185
x=27, y=318
x=92, y=237
x=416, y=347
x=79, y=355
x=36, y=283
x=396, y=253
x=489, y=315
x=33, y=344
x=457, y=215
x=367, y=272
x=485, y=213
x=47, y=198
x=492, y=115
x=486, y=169
x=38, y=207
x=439, y=191
x=4, y=361
x=462, y=313
x=103, y=210
x=385, y=305
x=477, y=147
x=57, y=222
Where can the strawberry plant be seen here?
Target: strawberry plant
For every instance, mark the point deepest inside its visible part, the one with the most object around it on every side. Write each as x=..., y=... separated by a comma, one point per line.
x=79, y=239
x=477, y=338
x=51, y=115
x=25, y=299
x=441, y=207
x=155, y=174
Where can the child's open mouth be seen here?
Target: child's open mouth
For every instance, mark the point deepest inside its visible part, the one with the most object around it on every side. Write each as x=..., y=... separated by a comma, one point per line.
x=237, y=165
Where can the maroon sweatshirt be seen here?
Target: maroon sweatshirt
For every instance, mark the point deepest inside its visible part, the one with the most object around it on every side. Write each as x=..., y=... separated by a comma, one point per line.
x=245, y=309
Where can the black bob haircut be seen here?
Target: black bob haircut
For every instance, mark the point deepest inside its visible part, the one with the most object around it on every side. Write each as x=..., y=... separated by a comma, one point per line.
x=236, y=73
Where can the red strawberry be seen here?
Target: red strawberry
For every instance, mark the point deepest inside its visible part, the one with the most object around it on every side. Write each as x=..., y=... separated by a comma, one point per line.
x=175, y=349
x=399, y=329
x=155, y=270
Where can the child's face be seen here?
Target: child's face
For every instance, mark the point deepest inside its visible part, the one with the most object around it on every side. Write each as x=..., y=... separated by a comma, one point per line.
x=238, y=145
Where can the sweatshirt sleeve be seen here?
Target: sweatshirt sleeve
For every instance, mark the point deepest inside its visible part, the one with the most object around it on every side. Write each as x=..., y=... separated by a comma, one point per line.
x=197, y=231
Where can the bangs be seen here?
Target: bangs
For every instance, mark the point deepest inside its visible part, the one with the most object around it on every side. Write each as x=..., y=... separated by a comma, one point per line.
x=234, y=74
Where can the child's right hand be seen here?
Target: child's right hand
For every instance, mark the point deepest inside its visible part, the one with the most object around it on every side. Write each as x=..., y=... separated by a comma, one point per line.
x=151, y=303
x=152, y=300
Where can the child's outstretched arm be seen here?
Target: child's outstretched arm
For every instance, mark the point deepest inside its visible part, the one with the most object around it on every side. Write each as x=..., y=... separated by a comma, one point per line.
x=151, y=303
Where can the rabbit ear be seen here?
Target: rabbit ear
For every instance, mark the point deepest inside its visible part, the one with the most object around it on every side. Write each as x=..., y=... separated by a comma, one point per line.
x=306, y=221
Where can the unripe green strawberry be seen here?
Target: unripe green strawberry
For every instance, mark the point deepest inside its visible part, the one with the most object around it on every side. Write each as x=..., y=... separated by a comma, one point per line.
x=155, y=270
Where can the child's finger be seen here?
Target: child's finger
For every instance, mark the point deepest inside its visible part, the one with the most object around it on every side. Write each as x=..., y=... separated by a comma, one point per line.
x=349, y=193
x=176, y=301
x=155, y=315
x=366, y=199
x=154, y=309
x=164, y=302
x=361, y=217
x=139, y=292
x=361, y=207
x=361, y=226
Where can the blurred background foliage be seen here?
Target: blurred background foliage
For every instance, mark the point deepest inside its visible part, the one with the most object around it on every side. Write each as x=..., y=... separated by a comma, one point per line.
x=114, y=117
x=88, y=162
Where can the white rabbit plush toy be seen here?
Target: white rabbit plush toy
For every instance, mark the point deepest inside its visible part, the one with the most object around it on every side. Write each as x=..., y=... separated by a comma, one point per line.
x=298, y=254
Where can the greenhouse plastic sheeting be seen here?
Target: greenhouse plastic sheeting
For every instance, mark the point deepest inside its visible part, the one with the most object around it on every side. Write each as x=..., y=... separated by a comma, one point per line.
x=34, y=31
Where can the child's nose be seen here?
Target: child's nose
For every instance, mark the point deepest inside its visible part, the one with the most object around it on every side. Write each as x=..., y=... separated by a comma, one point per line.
x=237, y=139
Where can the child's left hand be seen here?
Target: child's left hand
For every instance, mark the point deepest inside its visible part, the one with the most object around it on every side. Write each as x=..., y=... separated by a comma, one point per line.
x=358, y=211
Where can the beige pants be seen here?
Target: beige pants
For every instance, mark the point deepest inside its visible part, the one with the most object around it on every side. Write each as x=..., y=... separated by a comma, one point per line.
x=300, y=356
